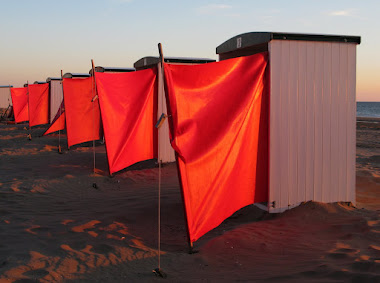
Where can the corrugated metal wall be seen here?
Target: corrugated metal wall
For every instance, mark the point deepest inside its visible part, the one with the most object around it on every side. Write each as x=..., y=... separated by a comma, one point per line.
x=5, y=97
x=166, y=152
x=312, y=123
x=56, y=96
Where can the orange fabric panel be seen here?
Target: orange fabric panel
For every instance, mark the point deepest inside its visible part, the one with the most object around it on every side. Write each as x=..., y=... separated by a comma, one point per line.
x=58, y=123
x=20, y=104
x=128, y=104
x=219, y=129
x=83, y=122
x=38, y=104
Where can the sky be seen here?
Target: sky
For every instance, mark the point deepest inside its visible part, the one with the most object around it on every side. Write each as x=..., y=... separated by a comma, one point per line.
x=41, y=37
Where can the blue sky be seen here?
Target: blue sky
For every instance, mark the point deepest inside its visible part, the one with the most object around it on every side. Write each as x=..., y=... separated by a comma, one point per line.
x=40, y=37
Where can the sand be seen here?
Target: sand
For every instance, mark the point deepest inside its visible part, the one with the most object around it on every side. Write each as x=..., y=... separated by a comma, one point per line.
x=61, y=222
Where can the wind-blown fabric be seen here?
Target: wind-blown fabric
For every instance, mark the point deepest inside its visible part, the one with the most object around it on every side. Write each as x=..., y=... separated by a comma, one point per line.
x=128, y=103
x=58, y=123
x=83, y=122
x=20, y=104
x=38, y=104
x=219, y=129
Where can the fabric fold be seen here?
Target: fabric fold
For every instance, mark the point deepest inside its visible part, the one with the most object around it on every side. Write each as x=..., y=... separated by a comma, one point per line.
x=83, y=121
x=128, y=103
x=58, y=123
x=219, y=129
x=38, y=104
x=20, y=104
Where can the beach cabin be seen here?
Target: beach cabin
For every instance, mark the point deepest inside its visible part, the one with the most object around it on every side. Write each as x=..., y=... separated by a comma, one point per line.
x=55, y=96
x=312, y=120
x=166, y=152
x=5, y=96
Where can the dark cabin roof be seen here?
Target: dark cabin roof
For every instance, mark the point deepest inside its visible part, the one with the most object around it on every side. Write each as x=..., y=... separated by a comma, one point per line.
x=150, y=61
x=256, y=38
x=101, y=69
x=52, y=79
x=75, y=75
x=39, y=83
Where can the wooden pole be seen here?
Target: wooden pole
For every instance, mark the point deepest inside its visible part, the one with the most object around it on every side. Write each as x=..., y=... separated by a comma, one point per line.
x=30, y=130
x=159, y=174
x=60, y=114
x=158, y=271
x=94, y=97
x=191, y=247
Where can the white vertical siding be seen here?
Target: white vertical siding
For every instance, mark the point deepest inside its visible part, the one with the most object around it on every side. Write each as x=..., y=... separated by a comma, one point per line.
x=301, y=151
x=166, y=152
x=56, y=96
x=5, y=97
x=312, y=123
x=310, y=112
x=284, y=125
x=318, y=121
x=343, y=73
x=326, y=122
x=351, y=123
x=293, y=126
x=334, y=136
x=275, y=126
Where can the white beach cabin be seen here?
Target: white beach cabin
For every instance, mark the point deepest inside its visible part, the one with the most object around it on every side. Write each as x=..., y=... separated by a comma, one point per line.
x=55, y=96
x=5, y=96
x=312, y=120
x=166, y=152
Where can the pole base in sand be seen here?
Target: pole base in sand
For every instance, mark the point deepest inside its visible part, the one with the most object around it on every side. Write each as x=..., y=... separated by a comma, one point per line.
x=159, y=272
x=192, y=251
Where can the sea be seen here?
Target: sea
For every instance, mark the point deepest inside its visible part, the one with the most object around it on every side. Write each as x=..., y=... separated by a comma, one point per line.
x=368, y=109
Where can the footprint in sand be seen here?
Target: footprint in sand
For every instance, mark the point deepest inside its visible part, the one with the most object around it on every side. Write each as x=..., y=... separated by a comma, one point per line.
x=37, y=230
x=88, y=225
x=365, y=266
x=103, y=249
x=26, y=281
x=338, y=255
x=36, y=274
x=79, y=245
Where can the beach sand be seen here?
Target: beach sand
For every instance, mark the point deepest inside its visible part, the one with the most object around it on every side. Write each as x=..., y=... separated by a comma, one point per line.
x=61, y=222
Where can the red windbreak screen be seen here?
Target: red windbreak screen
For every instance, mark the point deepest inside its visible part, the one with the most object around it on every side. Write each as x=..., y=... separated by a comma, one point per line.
x=83, y=121
x=20, y=104
x=58, y=123
x=129, y=112
x=219, y=129
x=38, y=104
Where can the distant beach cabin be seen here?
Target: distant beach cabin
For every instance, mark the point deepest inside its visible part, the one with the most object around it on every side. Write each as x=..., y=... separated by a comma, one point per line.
x=166, y=152
x=55, y=96
x=5, y=96
x=312, y=120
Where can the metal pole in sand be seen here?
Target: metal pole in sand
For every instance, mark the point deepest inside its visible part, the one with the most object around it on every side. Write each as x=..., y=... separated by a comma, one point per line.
x=158, y=271
x=94, y=97
x=60, y=114
x=30, y=130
